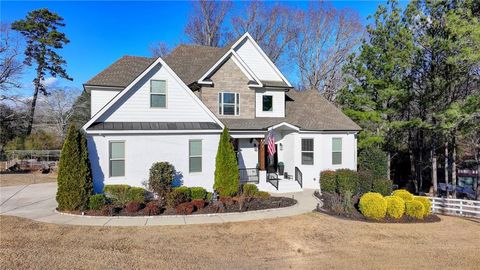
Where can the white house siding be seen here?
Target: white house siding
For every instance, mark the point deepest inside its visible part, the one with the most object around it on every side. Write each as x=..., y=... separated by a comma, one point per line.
x=100, y=98
x=255, y=61
x=278, y=109
x=141, y=151
x=135, y=105
x=323, y=155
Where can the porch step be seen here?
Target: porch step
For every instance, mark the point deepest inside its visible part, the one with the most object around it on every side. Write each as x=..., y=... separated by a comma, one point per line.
x=284, y=186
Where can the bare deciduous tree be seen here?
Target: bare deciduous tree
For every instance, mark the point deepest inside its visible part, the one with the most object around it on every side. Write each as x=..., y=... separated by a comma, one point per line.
x=274, y=28
x=159, y=49
x=326, y=38
x=205, y=24
x=10, y=65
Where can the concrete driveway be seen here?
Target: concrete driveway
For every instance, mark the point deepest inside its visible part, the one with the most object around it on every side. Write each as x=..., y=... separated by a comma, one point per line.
x=37, y=202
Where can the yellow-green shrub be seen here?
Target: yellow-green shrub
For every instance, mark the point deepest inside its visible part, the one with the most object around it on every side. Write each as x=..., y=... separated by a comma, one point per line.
x=426, y=204
x=373, y=205
x=414, y=209
x=395, y=206
x=404, y=194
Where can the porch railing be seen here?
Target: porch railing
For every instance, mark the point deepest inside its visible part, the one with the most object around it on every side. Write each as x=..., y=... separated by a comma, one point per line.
x=299, y=176
x=272, y=178
x=249, y=175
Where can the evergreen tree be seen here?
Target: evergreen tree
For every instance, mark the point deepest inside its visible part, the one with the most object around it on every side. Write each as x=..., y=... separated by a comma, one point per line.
x=74, y=180
x=226, y=167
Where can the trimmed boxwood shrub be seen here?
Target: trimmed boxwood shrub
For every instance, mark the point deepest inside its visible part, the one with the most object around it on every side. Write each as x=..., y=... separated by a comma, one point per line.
x=117, y=193
x=346, y=180
x=97, y=201
x=427, y=205
x=136, y=194
x=249, y=190
x=373, y=205
x=395, y=206
x=328, y=181
x=382, y=186
x=186, y=191
x=404, y=194
x=176, y=197
x=161, y=178
x=198, y=193
x=262, y=194
x=415, y=209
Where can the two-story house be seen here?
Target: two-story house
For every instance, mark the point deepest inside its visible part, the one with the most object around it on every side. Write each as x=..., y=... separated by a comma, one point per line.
x=173, y=109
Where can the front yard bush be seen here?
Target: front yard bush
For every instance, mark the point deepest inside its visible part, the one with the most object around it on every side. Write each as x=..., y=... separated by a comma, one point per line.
x=117, y=193
x=262, y=194
x=152, y=209
x=97, y=201
x=186, y=191
x=136, y=194
x=395, y=206
x=328, y=181
x=249, y=190
x=365, y=182
x=161, y=178
x=382, y=186
x=176, y=197
x=404, y=194
x=427, y=204
x=185, y=208
x=226, y=167
x=373, y=205
x=347, y=180
x=374, y=160
x=198, y=193
x=415, y=209
x=75, y=183
x=133, y=207
x=198, y=203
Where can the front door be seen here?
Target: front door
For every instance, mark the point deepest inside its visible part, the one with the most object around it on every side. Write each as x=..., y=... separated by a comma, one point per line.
x=271, y=163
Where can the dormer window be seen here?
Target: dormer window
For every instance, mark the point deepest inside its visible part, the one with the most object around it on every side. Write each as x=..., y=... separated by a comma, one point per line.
x=228, y=103
x=158, y=94
x=267, y=103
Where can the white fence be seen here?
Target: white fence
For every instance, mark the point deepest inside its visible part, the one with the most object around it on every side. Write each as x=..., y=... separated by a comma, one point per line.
x=455, y=207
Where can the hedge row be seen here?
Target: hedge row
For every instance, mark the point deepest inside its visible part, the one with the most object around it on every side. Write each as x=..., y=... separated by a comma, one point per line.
x=343, y=180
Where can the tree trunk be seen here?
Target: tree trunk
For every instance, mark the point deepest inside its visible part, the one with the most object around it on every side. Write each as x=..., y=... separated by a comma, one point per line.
x=434, y=170
x=389, y=164
x=454, y=165
x=446, y=163
x=32, y=109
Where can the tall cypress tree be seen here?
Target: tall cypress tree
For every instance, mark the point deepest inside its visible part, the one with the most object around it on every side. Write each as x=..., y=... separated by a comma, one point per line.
x=74, y=177
x=226, y=167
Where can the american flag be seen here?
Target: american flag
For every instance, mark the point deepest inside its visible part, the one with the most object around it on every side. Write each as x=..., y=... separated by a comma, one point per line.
x=271, y=143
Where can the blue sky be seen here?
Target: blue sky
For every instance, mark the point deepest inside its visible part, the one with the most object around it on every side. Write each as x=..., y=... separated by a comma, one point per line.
x=102, y=31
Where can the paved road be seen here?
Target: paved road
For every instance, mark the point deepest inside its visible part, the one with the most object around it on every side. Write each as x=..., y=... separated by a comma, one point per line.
x=37, y=202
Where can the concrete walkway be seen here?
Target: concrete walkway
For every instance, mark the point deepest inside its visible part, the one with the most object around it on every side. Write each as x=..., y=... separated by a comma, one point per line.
x=37, y=202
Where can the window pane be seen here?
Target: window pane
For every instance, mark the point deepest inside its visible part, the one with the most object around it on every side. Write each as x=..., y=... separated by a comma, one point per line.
x=195, y=148
x=157, y=101
x=307, y=158
x=117, y=150
x=267, y=103
x=238, y=104
x=337, y=144
x=229, y=109
x=117, y=167
x=158, y=87
x=307, y=144
x=195, y=164
x=229, y=98
x=337, y=158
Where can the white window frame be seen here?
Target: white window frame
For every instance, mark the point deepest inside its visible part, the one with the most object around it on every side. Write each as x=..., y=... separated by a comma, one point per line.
x=341, y=150
x=195, y=156
x=159, y=94
x=271, y=109
x=302, y=151
x=236, y=103
x=115, y=159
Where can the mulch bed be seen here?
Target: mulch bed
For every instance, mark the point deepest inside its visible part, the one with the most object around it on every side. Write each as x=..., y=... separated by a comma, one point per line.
x=224, y=205
x=356, y=215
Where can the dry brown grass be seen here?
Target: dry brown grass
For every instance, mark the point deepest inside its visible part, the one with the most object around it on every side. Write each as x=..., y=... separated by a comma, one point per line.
x=16, y=179
x=311, y=241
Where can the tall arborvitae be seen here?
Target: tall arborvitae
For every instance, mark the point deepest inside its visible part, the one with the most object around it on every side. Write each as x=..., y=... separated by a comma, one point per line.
x=226, y=167
x=74, y=176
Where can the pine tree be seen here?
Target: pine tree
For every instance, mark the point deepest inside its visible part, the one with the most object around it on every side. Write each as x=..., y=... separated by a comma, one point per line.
x=74, y=176
x=226, y=167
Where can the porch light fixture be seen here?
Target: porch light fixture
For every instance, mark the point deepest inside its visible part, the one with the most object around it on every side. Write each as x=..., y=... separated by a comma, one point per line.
x=281, y=147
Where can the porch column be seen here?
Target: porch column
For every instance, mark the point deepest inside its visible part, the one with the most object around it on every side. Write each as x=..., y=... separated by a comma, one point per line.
x=261, y=154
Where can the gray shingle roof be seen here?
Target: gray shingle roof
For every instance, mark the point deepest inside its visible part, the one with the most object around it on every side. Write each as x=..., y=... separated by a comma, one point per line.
x=122, y=72
x=154, y=126
x=307, y=110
